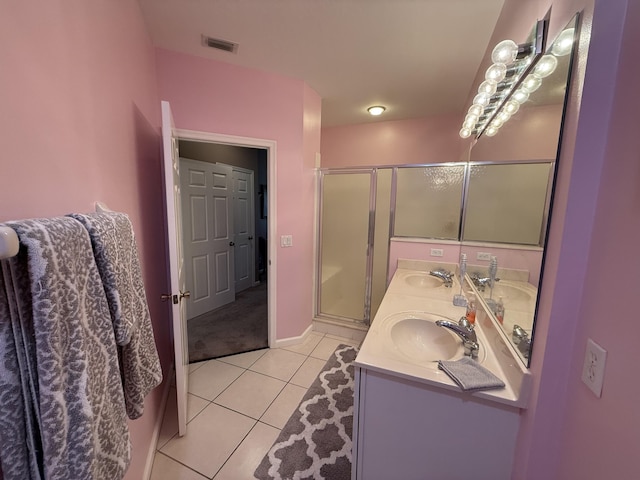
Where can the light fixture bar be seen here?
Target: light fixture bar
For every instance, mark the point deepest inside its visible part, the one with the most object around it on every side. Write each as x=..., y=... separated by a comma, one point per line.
x=492, y=106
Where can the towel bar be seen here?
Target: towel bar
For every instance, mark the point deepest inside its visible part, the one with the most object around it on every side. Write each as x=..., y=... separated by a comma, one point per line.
x=9, y=244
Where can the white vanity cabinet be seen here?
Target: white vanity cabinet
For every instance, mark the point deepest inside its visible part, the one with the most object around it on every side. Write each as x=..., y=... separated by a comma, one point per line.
x=414, y=431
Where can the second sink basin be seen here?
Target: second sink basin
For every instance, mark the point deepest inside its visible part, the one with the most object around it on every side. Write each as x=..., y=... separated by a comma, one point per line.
x=423, y=280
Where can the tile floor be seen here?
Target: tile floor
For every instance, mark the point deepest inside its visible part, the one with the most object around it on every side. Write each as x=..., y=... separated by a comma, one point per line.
x=237, y=405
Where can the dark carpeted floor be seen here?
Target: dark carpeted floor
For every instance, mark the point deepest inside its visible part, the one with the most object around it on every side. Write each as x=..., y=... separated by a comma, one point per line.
x=238, y=327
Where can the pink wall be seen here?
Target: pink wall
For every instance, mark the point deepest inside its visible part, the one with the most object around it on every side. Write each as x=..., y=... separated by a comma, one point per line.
x=411, y=250
x=80, y=123
x=601, y=435
x=210, y=96
x=398, y=142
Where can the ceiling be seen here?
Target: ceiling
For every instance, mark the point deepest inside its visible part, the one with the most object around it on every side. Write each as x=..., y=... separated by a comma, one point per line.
x=416, y=57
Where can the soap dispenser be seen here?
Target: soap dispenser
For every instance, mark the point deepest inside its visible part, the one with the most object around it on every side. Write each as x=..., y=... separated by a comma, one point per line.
x=499, y=311
x=471, y=309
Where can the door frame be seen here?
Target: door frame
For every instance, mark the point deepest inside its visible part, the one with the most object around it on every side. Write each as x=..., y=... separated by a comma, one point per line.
x=270, y=147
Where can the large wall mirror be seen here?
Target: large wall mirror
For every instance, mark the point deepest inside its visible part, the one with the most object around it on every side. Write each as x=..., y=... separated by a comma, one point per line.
x=510, y=196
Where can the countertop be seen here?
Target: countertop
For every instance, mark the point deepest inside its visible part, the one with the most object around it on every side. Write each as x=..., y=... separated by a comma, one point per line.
x=379, y=353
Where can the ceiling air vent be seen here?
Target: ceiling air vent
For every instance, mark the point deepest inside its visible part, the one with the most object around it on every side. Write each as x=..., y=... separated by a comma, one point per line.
x=219, y=44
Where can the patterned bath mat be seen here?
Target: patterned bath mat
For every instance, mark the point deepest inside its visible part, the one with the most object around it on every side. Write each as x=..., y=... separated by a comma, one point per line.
x=315, y=443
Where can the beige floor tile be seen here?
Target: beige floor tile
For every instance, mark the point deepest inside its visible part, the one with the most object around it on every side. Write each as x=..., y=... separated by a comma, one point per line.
x=251, y=394
x=170, y=420
x=326, y=347
x=278, y=363
x=212, y=378
x=194, y=366
x=308, y=372
x=165, y=468
x=249, y=454
x=355, y=339
x=306, y=347
x=210, y=440
x=283, y=406
x=244, y=360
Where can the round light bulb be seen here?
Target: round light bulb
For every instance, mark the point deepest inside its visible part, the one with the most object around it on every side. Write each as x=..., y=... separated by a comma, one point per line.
x=491, y=131
x=564, y=42
x=487, y=87
x=504, y=52
x=481, y=99
x=377, y=110
x=503, y=116
x=475, y=110
x=545, y=66
x=520, y=96
x=531, y=84
x=496, y=72
x=465, y=132
x=497, y=123
x=469, y=122
x=511, y=107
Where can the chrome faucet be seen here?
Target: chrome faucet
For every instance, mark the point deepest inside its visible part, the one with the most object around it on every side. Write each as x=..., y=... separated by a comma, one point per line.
x=481, y=282
x=445, y=275
x=467, y=334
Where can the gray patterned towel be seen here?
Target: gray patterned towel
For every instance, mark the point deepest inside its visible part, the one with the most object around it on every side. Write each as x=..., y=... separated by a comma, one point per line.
x=116, y=255
x=70, y=381
x=469, y=375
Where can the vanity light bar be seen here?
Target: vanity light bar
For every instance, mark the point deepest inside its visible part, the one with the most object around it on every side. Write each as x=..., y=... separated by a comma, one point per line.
x=511, y=62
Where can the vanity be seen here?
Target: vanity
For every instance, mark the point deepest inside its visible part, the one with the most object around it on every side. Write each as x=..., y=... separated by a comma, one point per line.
x=411, y=421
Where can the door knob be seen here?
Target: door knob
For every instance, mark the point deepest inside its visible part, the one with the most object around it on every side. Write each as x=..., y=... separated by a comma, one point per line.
x=231, y=244
x=186, y=294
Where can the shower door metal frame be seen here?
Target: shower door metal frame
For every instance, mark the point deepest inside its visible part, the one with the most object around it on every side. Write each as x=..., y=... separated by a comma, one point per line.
x=369, y=250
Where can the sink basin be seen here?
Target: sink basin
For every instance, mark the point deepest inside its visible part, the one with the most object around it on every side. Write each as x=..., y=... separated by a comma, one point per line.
x=418, y=337
x=423, y=280
x=510, y=293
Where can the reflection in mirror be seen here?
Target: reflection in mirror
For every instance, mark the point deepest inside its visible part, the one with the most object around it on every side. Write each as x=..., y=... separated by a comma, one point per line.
x=428, y=201
x=532, y=134
x=505, y=203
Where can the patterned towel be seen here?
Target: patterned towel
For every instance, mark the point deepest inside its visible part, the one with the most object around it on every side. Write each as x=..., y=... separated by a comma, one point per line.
x=116, y=255
x=70, y=382
x=19, y=433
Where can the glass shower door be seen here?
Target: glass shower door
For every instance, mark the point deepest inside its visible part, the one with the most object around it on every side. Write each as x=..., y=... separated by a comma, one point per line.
x=346, y=215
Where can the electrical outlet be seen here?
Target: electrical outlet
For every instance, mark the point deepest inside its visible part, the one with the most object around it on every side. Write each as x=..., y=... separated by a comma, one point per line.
x=484, y=256
x=437, y=252
x=593, y=368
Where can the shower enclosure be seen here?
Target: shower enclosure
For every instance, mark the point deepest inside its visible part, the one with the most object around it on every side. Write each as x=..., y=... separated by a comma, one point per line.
x=354, y=242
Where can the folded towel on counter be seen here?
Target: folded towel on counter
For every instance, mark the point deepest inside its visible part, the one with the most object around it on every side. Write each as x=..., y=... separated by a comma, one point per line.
x=469, y=375
x=71, y=382
x=116, y=255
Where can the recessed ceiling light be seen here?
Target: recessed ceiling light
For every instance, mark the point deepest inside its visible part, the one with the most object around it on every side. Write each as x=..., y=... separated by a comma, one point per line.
x=376, y=110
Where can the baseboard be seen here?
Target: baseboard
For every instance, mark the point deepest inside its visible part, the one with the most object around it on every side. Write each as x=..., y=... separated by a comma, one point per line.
x=156, y=429
x=285, y=342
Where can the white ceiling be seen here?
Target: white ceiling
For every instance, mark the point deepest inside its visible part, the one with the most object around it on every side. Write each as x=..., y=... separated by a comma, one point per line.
x=416, y=57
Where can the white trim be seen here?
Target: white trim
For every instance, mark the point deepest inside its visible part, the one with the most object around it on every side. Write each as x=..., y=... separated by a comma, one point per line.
x=272, y=227
x=285, y=342
x=153, y=445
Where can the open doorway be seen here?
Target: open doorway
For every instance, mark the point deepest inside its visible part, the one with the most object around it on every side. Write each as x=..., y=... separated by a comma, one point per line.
x=224, y=211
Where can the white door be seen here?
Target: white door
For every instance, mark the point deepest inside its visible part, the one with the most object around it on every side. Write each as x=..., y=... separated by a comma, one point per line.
x=243, y=208
x=208, y=235
x=176, y=271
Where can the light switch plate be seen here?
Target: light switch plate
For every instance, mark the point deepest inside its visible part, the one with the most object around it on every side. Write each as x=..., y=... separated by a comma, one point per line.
x=286, y=240
x=437, y=252
x=484, y=256
x=593, y=368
